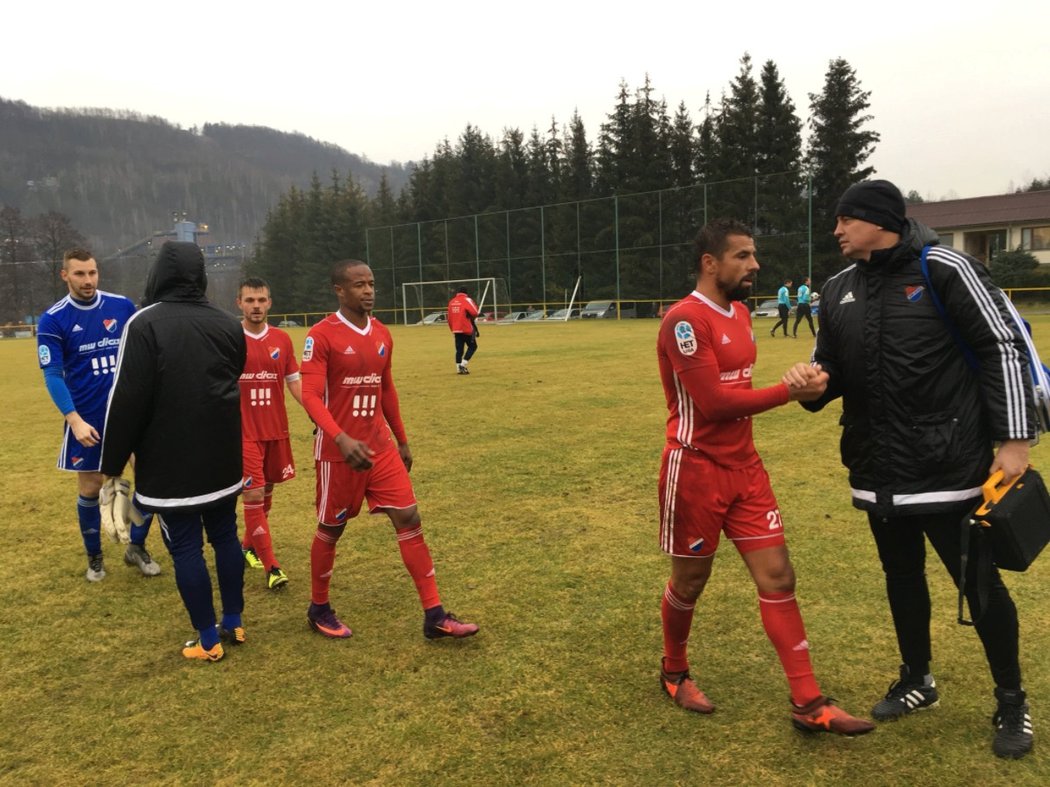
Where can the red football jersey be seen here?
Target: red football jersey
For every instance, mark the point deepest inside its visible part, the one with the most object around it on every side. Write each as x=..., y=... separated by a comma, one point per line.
x=460, y=309
x=269, y=365
x=706, y=356
x=348, y=386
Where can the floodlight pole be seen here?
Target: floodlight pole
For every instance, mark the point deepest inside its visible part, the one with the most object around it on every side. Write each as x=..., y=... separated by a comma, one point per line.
x=809, y=223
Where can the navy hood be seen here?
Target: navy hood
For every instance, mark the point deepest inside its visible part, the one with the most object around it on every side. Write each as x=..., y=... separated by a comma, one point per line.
x=177, y=275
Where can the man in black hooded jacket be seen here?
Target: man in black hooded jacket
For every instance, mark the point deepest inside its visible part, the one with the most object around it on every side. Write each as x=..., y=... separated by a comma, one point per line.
x=919, y=426
x=175, y=405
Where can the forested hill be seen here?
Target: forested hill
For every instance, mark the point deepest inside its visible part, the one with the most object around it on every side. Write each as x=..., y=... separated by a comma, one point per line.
x=118, y=176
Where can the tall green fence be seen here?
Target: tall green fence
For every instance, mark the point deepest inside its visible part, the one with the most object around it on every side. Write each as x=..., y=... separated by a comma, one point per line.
x=631, y=247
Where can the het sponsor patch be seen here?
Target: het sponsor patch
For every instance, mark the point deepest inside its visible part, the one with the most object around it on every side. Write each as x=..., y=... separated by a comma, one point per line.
x=686, y=339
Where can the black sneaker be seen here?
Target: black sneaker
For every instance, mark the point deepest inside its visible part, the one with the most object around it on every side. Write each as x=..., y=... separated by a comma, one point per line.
x=906, y=695
x=1013, y=725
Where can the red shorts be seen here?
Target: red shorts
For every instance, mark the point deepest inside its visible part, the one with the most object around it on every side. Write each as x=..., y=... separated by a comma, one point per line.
x=341, y=489
x=699, y=499
x=267, y=462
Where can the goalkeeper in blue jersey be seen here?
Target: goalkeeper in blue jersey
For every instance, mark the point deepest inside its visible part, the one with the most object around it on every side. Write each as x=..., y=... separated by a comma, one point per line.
x=77, y=344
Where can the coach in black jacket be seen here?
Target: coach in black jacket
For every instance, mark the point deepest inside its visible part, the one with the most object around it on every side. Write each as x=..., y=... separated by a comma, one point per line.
x=919, y=425
x=175, y=405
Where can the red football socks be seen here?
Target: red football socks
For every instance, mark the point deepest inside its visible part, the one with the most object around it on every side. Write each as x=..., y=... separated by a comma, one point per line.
x=677, y=615
x=783, y=624
x=257, y=533
x=322, y=560
x=417, y=560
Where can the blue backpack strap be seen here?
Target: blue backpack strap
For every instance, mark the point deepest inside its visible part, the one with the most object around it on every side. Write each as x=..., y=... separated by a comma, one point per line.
x=971, y=359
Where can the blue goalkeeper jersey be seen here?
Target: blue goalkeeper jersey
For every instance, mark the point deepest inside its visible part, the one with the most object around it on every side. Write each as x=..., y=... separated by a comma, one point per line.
x=83, y=340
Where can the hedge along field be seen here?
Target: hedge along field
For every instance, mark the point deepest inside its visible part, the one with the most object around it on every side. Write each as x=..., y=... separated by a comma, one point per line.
x=536, y=477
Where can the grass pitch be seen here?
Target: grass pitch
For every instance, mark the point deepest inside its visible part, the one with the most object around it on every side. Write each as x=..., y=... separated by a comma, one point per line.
x=536, y=477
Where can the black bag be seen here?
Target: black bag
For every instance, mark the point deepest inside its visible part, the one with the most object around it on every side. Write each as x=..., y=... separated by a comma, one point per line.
x=1008, y=529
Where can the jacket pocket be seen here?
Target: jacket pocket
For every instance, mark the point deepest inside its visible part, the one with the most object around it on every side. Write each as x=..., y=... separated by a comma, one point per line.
x=934, y=440
x=854, y=445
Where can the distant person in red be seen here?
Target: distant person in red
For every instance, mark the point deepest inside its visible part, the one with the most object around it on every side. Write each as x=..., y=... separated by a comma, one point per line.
x=712, y=480
x=462, y=313
x=348, y=390
x=267, y=448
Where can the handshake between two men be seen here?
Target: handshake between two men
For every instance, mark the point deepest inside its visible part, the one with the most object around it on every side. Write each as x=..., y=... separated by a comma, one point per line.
x=805, y=382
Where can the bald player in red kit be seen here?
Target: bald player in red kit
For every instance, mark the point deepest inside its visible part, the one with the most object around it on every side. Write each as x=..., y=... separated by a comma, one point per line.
x=348, y=390
x=712, y=480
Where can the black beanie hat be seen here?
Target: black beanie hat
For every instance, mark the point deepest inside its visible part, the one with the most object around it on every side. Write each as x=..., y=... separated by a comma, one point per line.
x=875, y=201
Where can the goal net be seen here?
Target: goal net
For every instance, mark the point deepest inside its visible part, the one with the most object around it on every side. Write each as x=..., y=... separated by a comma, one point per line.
x=424, y=299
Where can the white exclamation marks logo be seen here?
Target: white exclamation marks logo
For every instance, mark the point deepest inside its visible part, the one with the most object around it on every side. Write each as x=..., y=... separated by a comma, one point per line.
x=372, y=406
x=94, y=367
x=260, y=396
x=357, y=405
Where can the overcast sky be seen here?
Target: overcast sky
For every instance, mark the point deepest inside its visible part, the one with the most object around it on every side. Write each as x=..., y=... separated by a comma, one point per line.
x=960, y=93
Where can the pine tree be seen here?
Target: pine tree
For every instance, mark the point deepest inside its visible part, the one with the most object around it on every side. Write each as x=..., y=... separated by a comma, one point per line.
x=839, y=143
x=736, y=158
x=577, y=173
x=681, y=147
x=612, y=156
x=781, y=204
x=706, y=153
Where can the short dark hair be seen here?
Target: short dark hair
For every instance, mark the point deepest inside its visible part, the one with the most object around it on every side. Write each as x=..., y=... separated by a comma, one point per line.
x=77, y=253
x=253, y=283
x=340, y=268
x=712, y=238
x=462, y=290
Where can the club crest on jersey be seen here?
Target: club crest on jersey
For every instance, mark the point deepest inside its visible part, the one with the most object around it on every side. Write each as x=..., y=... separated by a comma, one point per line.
x=697, y=545
x=275, y=352
x=381, y=349
x=248, y=482
x=308, y=348
x=110, y=325
x=914, y=294
x=340, y=516
x=45, y=355
x=683, y=334
x=77, y=461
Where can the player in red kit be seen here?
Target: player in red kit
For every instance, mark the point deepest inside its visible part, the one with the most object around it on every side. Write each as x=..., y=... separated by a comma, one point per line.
x=462, y=317
x=270, y=365
x=712, y=479
x=348, y=391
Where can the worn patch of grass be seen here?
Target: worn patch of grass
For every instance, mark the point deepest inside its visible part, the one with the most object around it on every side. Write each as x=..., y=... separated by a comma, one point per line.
x=536, y=477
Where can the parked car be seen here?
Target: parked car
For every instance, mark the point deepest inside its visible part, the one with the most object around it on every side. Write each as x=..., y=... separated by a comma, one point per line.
x=287, y=324
x=596, y=309
x=512, y=317
x=434, y=318
x=769, y=309
x=563, y=314
x=608, y=310
x=534, y=315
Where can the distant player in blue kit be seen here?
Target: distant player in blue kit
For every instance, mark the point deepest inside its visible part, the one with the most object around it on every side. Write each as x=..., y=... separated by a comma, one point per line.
x=77, y=344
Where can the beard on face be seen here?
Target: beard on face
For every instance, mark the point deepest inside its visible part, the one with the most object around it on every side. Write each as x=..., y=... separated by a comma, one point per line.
x=740, y=292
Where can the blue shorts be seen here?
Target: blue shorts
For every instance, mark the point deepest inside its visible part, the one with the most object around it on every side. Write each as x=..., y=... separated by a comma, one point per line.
x=76, y=458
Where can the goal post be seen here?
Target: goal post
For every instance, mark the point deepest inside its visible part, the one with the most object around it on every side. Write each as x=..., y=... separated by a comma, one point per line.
x=420, y=298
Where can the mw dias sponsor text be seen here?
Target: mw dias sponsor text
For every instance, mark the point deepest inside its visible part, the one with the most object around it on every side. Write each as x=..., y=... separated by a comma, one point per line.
x=368, y=379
